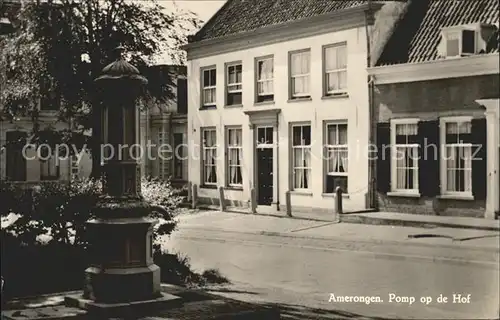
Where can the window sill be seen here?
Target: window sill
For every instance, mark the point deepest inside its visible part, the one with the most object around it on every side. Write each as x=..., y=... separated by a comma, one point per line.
x=234, y=106
x=403, y=194
x=338, y=96
x=263, y=103
x=208, y=107
x=456, y=197
x=332, y=195
x=233, y=188
x=302, y=99
x=208, y=186
x=301, y=193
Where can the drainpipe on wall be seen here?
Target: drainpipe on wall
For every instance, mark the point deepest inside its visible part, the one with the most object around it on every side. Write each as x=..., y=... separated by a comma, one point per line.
x=372, y=194
x=277, y=162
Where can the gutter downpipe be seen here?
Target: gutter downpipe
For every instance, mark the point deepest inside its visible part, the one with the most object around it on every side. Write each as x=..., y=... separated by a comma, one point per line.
x=372, y=195
x=277, y=150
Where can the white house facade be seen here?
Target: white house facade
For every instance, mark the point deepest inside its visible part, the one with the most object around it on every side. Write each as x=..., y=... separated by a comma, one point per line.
x=281, y=108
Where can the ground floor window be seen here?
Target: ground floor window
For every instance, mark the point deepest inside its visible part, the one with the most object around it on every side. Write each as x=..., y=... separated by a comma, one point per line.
x=301, y=153
x=234, y=157
x=404, y=155
x=209, y=157
x=180, y=157
x=456, y=162
x=336, y=157
x=163, y=158
x=49, y=167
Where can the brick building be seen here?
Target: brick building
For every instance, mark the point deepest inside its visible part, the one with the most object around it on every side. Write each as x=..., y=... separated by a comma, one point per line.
x=435, y=96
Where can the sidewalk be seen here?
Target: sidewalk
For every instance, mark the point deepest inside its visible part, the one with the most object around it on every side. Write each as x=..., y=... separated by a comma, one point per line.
x=379, y=218
x=301, y=228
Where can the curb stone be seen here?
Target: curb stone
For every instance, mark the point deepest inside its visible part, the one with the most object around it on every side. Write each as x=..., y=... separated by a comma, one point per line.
x=357, y=218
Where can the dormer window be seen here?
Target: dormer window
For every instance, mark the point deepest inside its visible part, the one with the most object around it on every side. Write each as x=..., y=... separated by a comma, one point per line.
x=465, y=40
x=460, y=42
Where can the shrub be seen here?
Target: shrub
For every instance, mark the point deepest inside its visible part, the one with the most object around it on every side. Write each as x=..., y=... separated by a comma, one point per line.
x=57, y=212
x=42, y=247
x=161, y=193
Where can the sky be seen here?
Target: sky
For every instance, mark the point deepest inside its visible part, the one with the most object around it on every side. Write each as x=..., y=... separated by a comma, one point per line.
x=205, y=9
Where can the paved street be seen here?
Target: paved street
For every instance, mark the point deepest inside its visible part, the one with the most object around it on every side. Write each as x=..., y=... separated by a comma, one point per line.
x=302, y=272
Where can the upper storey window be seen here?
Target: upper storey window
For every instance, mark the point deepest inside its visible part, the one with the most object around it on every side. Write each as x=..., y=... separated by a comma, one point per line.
x=234, y=84
x=300, y=66
x=265, y=79
x=335, y=69
x=209, y=85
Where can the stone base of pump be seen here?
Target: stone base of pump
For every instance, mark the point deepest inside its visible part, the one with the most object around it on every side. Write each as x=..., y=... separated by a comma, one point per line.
x=98, y=310
x=116, y=285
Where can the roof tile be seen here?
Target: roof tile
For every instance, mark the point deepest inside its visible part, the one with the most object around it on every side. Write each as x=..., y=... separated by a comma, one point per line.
x=417, y=37
x=239, y=16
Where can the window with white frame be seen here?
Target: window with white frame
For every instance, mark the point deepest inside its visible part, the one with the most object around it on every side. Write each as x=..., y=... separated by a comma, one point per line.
x=234, y=85
x=209, y=87
x=209, y=168
x=300, y=66
x=405, y=155
x=337, y=156
x=265, y=79
x=234, y=157
x=180, y=157
x=49, y=165
x=335, y=64
x=163, y=157
x=265, y=136
x=301, y=152
x=456, y=162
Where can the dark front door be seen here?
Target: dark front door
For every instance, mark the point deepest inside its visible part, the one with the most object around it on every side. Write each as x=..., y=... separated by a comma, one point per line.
x=265, y=176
